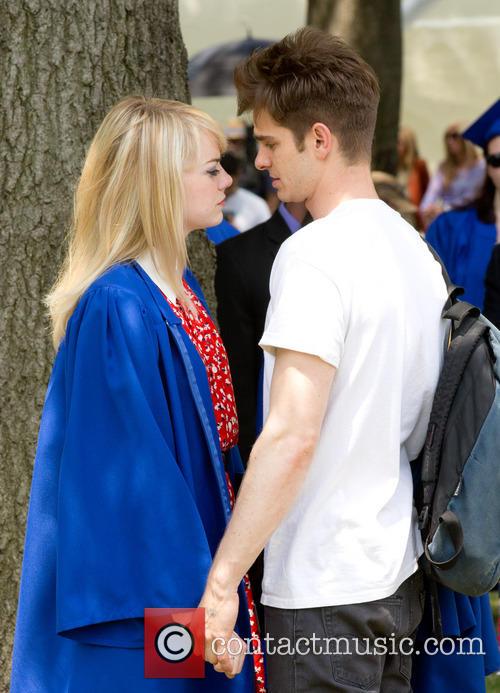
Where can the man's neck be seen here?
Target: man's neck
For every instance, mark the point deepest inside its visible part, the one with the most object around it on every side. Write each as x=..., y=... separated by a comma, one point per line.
x=339, y=185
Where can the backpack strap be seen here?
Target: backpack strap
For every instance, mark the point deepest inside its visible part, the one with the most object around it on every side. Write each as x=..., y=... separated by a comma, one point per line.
x=459, y=311
x=454, y=291
x=455, y=532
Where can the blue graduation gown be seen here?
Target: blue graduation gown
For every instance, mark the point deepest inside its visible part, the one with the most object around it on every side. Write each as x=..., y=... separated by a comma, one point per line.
x=464, y=244
x=222, y=232
x=128, y=500
x=464, y=617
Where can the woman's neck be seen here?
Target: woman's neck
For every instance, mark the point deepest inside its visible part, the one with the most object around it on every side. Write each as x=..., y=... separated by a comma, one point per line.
x=146, y=261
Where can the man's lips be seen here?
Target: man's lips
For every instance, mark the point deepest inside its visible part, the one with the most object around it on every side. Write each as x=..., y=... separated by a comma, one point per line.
x=274, y=181
x=221, y=202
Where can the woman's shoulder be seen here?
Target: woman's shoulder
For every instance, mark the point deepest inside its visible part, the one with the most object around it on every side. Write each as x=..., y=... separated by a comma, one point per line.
x=119, y=291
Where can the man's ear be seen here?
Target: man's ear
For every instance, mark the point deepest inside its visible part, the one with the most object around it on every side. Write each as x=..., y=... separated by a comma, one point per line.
x=322, y=139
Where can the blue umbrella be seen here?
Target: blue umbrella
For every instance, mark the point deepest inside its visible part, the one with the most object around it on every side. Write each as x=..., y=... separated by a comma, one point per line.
x=211, y=71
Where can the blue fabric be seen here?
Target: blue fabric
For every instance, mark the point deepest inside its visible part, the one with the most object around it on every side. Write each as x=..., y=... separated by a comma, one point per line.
x=464, y=244
x=128, y=500
x=292, y=223
x=221, y=232
x=466, y=617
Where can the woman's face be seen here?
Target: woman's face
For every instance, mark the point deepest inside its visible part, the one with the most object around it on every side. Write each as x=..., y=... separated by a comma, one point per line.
x=492, y=150
x=454, y=141
x=204, y=183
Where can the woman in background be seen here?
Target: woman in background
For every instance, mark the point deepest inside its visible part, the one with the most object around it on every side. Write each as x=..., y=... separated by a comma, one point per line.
x=412, y=172
x=458, y=178
x=131, y=490
x=464, y=238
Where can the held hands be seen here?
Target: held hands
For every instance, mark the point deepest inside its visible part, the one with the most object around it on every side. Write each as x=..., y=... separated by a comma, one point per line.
x=223, y=647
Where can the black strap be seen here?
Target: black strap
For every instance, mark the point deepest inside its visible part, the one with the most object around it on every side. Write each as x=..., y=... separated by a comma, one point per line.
x=454, y=291
x=432, y=593
x=452, y=524
x=459, y=311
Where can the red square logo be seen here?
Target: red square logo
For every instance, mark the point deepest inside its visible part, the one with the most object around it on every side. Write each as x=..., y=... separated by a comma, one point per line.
x=174, y=643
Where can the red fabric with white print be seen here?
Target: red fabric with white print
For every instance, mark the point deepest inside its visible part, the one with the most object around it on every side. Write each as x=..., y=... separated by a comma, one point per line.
x=203, y=333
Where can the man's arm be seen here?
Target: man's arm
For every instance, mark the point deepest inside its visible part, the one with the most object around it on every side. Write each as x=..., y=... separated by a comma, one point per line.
x=277, y=468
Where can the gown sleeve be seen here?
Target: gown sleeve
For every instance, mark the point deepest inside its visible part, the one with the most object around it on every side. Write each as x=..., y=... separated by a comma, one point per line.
x=129, y=535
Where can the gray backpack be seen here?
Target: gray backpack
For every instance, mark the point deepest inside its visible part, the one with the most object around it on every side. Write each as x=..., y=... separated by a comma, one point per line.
x=458, y=496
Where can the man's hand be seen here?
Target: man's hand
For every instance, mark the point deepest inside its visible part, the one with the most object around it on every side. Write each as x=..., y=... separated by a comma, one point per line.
x=223, y=648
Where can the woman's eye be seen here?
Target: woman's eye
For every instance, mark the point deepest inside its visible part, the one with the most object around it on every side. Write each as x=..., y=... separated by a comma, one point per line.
x=214, y=172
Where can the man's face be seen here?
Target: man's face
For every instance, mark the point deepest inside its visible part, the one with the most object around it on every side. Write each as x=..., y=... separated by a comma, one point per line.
x=292, y=171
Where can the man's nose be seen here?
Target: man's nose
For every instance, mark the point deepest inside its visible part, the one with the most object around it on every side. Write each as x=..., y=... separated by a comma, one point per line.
x=262, y=160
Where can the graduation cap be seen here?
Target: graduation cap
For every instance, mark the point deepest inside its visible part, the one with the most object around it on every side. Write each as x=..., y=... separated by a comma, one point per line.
x=486, y=127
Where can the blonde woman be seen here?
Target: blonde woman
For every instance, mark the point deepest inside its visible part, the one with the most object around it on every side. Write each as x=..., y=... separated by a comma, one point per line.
x=412, y=170
x=130, y=491
x=459, y=177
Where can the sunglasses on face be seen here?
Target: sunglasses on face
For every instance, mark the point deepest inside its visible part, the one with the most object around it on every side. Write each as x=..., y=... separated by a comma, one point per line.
x=493, y=160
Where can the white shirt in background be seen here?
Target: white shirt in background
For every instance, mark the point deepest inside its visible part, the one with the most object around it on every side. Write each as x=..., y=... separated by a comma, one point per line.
x=245, y=209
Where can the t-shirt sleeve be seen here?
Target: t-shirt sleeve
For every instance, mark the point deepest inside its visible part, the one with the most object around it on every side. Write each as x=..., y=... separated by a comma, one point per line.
x=306, y=312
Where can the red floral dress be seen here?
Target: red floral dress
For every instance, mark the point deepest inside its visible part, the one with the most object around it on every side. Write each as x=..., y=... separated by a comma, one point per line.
x=203, y=333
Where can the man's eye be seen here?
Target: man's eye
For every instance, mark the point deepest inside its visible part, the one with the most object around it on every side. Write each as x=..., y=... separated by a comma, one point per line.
x=271, y=146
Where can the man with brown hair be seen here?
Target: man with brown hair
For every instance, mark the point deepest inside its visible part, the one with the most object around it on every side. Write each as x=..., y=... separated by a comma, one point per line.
x=353, y=347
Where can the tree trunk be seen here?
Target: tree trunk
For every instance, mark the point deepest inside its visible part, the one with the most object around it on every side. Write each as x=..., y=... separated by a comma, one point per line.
x=65, y=63
x=374, y=29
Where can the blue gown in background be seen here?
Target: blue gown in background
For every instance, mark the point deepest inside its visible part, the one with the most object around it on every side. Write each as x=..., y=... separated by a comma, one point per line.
x=128, y=502
x=464, y=244
x=463, y=617
x=222, y=232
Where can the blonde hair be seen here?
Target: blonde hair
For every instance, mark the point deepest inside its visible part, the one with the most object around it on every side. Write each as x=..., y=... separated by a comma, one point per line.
x=129, y=198
x=454, y=162
x=410, y=154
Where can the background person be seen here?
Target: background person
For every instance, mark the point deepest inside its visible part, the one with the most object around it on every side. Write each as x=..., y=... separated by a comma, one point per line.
x=458, y=179
x=241, y=143
x=130, y=491
x=242, y=208
x=242, y=289
x=412, y=172
x=464, y=238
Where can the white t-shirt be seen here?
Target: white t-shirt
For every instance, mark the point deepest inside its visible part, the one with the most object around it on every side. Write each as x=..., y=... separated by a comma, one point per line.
x=359, y=289
x=245, y=209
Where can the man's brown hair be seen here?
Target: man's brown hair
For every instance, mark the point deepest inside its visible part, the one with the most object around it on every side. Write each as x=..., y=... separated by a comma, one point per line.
x=311, y=76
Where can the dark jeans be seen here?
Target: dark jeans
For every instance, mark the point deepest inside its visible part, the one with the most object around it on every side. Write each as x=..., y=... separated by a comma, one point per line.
x=358, y=647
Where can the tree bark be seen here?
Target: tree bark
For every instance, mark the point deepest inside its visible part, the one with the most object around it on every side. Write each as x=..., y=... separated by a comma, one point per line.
x=65, y=63
x=373, y=29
